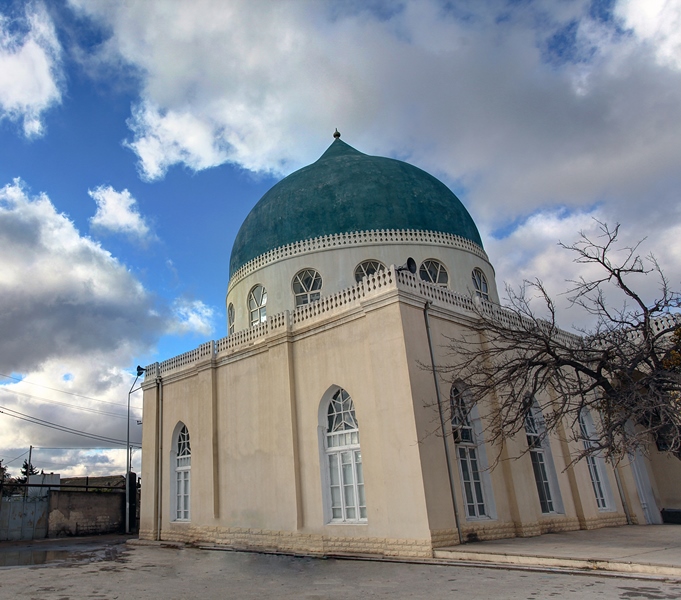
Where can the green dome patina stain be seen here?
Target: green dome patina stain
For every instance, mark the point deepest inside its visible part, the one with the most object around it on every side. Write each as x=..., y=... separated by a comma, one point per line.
x=346, y=191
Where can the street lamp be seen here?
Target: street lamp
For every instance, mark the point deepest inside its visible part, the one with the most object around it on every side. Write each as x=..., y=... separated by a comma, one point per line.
x=140, y=371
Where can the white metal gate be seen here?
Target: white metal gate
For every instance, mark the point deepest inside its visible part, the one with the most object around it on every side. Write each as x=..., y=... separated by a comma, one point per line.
x=23, y=518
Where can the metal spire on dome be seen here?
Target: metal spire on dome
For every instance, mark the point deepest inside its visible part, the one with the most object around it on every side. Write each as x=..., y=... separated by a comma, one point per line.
x=336, y=134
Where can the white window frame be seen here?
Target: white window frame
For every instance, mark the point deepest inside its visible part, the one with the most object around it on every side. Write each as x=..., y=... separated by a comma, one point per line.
x=257, y=305
x=230, y=319
x=595, y=464
x=368, y=267
x=476, y=485
x=441, y=275
x=181, y=466
x=307, y=286
x=343, y=489
x=543, y=467
x=480, y=284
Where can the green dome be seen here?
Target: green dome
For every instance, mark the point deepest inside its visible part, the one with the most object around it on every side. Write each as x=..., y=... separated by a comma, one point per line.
x=347, y=191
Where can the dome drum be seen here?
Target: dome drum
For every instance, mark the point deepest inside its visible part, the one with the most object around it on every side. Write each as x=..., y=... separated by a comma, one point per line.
x=336, y=266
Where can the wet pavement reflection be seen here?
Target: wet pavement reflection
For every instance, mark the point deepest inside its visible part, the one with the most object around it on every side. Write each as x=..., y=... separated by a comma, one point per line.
x=61, y=551
x=23, y=558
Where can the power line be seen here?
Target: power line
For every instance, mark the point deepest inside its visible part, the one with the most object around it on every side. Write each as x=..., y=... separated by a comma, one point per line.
x=73, y=448
x=62, y=391
x=63, y=428
x=16, y=458
x=75, y=407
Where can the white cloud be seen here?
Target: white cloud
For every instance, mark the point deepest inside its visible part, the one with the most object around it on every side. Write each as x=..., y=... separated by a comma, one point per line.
x=30, y=68
x=164, y=139
x=117, y=212
x=192, y=316
x=78, y=297
x=657, y=22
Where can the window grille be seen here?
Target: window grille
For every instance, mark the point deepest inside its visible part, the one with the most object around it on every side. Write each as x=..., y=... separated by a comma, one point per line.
x=344, y=459
x=480, y=284
x=257, y=305
x=367, y=267
x=535, y=442
x=433, y=271
x=594, y=471
x=183, y=465
x=306, y=286
x=467, y=454
x=230, y=319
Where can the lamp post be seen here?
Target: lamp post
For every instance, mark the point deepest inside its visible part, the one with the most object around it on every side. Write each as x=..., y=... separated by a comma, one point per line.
x=140, y=371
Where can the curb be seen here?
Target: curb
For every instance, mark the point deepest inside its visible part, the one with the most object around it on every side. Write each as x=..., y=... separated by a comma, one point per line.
x=590, y=564
x=516, y=562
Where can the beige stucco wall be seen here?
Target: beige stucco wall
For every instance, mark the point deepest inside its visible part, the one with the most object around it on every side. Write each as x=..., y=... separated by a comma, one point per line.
x=516, y=504
x=267, y=469
x=666, y=472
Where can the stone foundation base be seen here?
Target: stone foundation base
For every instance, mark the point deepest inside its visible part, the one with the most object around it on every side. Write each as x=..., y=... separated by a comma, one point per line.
x=314, y=544
x=472, y=532
x=292, y=542
x=604, y=520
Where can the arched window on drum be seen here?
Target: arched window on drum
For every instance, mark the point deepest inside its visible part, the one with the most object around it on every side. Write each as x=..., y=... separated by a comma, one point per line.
x=480, y=284
x=433, y=271
x=257, y=305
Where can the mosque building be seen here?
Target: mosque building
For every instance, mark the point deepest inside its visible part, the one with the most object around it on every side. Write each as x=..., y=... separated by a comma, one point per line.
x=310, y=427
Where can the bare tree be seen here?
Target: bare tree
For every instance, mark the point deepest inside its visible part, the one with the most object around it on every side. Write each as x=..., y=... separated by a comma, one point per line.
x=626, y=367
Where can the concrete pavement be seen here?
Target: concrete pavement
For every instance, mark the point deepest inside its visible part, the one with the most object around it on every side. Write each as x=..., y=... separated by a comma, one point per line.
x=634, y=549
x=138, y=572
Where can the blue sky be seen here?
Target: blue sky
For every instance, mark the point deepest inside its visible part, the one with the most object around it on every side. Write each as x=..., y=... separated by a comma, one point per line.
x=135, y=137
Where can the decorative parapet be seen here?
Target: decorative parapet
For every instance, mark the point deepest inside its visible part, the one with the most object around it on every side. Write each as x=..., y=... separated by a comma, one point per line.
x=247, y=336
x=357, y=238
x=204, y=351
x=371, y=286
x=658, y=325
x=431, y=291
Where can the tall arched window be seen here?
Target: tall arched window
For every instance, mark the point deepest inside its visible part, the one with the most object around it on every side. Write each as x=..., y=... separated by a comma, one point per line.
x=542, y=461
x=367, y=267
x=480, y=284
x=230, y=319
x=257, y=305
x=594, y=461
x=306, y=286
x=433, y=271
x=183, y=467
x=344, y=461
x=467, y=454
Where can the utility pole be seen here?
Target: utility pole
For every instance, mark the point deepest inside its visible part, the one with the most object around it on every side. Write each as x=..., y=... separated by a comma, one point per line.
x=128, y=457
x=28, y=470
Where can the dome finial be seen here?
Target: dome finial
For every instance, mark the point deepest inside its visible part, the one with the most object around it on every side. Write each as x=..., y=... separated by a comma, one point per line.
x=336, y=134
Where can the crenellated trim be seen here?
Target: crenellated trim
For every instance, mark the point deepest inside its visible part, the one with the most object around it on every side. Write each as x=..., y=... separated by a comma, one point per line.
x=372, y=286
x=356, y=238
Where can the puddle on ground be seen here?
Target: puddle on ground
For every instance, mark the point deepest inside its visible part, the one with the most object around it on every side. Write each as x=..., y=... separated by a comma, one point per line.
x=25, y=558
x=31, y=557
